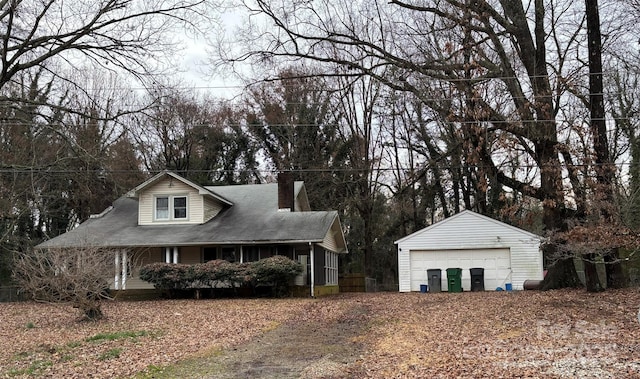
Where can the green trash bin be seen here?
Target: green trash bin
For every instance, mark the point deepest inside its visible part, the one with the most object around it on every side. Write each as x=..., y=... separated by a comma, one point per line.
x=454, y=279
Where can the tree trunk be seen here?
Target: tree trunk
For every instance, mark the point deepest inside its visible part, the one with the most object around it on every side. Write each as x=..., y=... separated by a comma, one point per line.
x=592, y=281
x=615, y=274
x=605, y=171
x=562, y=274
x=633, y=218
x=93, y=313
x=604, y=168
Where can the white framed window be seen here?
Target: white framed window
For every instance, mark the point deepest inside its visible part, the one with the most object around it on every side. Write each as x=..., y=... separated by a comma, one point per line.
x=180, y=207
x=171, y=207
x=162, y=208
x=331, y=267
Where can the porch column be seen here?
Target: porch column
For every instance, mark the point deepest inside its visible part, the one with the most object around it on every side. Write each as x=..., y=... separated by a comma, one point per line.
x=311, y=256
x=125, y=268
x=241, y=255
x=116, y=280
x=167, y=255
x=175, y=254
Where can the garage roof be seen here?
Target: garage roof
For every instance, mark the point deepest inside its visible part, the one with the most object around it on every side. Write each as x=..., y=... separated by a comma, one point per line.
x=466, y=214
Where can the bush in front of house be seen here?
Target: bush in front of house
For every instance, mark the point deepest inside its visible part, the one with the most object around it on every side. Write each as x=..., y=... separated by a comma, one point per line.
x=167, y=276
x=217, y=273
x=244, y=273
x=277, y=271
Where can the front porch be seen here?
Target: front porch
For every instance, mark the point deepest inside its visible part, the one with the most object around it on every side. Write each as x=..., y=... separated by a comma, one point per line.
x=320, y=265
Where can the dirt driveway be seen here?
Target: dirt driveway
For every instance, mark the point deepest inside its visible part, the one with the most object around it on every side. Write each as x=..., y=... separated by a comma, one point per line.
x=300, y=348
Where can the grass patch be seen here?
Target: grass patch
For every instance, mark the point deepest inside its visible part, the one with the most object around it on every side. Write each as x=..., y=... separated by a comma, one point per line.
x=67, y=358
x=23, y=354
x=116, y=336
x=30, y=325
x=33, y=369
x=110, y=354
x=195, y=367
x=73, y=344
x=36, y=367
x=152, y=371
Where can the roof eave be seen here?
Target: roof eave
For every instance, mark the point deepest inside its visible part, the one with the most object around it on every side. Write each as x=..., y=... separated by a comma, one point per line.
x=156, y=178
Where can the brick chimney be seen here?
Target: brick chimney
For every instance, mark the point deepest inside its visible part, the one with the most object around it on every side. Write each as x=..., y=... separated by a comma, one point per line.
x=285, y=191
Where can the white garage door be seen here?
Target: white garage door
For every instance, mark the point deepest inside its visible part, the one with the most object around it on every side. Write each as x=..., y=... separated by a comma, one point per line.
x=496, y=264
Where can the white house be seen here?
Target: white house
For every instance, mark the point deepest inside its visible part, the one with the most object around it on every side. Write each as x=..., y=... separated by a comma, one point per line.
x=507, y=254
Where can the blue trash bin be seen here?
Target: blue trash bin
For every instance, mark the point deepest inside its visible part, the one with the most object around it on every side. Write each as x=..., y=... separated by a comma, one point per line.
x=423, y=288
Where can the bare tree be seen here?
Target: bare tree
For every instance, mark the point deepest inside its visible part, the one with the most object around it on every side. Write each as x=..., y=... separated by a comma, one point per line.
x=199, y=136
x=74, y=276
x=511, y=71
x=492, y=55
x=115, y=34
x=294, y=124
x=625, y=106
x=51, y=118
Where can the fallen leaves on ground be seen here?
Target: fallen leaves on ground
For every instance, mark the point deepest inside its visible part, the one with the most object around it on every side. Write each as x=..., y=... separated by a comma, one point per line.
x=48, y=340
x=554, y=334
x=561, y=334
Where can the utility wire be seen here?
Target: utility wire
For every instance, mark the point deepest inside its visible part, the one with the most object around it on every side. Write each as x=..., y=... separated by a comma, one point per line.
x=32, y=170
x=561, y=123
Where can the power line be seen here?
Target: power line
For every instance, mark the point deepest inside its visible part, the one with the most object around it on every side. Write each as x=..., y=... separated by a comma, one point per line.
x=559, y=122
x=502, y=167
x=302, y=77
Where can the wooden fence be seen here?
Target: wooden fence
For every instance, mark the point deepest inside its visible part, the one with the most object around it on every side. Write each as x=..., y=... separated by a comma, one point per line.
x=356, y=283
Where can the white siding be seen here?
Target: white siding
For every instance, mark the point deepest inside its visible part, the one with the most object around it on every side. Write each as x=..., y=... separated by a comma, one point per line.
x=170, y=186
x=211, y=209
x=404, y=270
x=469, y=231
x=135, y=283
x=330, y=242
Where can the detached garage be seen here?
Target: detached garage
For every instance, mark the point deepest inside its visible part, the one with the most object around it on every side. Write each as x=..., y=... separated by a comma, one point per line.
x=470, y=240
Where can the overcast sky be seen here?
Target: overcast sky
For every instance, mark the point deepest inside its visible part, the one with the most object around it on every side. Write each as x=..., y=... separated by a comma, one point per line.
x=194, y=66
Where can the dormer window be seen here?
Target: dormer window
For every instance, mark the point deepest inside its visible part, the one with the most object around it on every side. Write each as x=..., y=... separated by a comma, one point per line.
x=180, y=207
x=172, y=207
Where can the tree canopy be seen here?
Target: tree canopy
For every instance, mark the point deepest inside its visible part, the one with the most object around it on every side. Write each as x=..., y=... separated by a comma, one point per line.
x=397, y=114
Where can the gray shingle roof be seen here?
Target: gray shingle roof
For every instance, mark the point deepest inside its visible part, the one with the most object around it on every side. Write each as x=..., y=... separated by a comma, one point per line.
x=253, y=218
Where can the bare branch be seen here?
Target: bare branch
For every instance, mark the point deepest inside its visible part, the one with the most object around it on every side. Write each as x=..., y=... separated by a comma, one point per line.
x=78, y=277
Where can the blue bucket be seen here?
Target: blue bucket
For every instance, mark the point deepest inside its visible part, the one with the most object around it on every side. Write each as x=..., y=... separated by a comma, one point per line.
x=508, y=287
x=423, y=288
